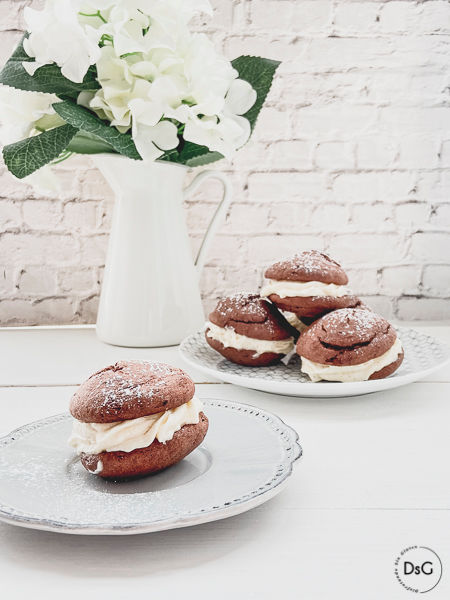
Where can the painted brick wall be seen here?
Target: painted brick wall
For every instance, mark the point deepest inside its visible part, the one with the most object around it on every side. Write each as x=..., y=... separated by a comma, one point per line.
x=351, y=155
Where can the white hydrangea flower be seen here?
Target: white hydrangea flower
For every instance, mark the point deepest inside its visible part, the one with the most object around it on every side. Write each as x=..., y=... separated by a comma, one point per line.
x=56, y=36
x=156, y=77
x=152, y=140
x=228, y=131
x=93, y=6
x=22, y=111
x=173, y=9
x=24, y=114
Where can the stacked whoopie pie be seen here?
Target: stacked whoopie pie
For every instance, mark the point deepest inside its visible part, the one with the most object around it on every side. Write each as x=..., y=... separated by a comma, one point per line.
x=134, y=418
x=306, y=299
x=308, y=285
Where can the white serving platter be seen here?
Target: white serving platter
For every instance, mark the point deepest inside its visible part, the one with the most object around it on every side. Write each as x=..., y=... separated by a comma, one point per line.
x=423, y=356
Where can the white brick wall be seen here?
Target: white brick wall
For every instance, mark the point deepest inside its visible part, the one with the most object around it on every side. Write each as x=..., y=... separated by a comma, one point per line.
x=351, y=155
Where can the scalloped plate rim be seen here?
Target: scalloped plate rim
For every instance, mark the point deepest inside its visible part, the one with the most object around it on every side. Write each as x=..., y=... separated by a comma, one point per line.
x=237, y=507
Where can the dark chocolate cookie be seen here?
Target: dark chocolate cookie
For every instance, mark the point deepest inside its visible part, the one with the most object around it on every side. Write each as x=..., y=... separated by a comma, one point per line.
x=248, y=358
x=313, y=307
x=308, y=267
x=258, y=321
x=130, y=389
x=349, y=337
x=252, y=316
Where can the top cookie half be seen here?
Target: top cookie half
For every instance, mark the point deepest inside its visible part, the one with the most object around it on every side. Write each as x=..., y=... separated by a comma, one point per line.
x=308, y=266
x=129, y=390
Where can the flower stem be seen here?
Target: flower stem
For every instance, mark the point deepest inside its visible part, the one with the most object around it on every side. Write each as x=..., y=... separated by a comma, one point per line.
x=106, y=38
x=97, y=14
x=62, y=157
x=129, y=54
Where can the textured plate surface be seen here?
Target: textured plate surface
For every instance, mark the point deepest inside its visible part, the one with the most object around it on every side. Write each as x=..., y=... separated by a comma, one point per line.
x=244, y=460
x=423, y=355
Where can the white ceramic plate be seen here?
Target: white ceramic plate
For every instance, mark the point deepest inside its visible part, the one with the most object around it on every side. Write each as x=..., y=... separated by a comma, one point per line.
x=423, y=355
x=244, y=461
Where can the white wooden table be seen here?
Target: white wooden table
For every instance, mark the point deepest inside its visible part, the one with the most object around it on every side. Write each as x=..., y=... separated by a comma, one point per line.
x=374, y=480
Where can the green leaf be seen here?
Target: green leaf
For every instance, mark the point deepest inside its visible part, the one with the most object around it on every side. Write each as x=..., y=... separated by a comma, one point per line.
x=88, y=122
x=259, y=72
x=27, y=156
x=85, y=143
x=197, y=160
x=191, y=155
x=46, y=79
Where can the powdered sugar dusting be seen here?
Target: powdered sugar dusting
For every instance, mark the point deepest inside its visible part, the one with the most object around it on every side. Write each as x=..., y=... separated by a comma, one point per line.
x=250, y=309
x=130, y=389
x=310, y=265
x=250, y=303
x=310, y=260
x=348, y=322
x=349, y=336
x=127, y=377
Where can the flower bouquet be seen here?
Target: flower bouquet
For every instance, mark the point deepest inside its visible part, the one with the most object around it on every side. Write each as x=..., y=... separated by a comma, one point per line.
x=127, y=77
x=128, y=82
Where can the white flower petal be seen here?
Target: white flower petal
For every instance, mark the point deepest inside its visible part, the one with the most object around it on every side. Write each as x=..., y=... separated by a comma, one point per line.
x=92, y=6
x=236, y=129
x=142, y=137
x=165, y=135
x=240, y=97
x=144, y=68
x=147, y=113
x=20, y=110
x=76, y=67
x=128, y=37
x=182, y=113
x=56, y=36
x=85, y=98
x=205, y=132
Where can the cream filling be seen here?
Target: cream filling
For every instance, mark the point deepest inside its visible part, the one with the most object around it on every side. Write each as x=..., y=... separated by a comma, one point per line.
x=126, y=436
x=293, y=320
x=302, y=289
x=362, y=372
x=230, y=339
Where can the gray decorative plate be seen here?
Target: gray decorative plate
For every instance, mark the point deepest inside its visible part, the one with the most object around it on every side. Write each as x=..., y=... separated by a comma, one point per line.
x=423, y=356
x=244, y=461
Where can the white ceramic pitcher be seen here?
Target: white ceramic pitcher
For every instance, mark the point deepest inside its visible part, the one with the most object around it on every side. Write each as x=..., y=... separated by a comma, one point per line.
x=150, y=295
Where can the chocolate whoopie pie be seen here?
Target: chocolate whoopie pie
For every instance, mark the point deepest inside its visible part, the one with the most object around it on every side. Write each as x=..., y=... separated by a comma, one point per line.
x=310, y=284
x=135, y=418
x=349, y=345
x=248, y=330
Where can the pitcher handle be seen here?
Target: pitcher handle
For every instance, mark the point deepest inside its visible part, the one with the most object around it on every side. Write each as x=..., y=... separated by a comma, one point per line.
x=218, y=215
